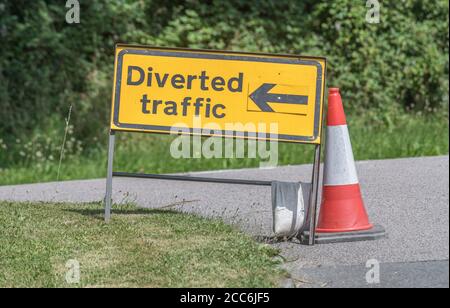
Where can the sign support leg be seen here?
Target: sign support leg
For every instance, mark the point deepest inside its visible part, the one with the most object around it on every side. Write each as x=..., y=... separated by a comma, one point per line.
x=313, y=196
x=109, y=175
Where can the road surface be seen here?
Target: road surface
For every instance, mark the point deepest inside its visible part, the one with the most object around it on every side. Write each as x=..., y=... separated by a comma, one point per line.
x=409, y=197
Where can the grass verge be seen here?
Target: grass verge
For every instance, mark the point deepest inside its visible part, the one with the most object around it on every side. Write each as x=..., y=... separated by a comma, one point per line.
x=139, y=248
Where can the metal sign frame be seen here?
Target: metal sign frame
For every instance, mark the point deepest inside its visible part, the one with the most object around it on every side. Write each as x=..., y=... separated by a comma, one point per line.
x=312, y=204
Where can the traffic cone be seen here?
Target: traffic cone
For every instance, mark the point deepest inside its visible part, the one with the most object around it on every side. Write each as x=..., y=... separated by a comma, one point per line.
x=342, y=208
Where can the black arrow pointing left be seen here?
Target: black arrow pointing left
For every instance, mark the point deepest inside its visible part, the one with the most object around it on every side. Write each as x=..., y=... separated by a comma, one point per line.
x=262, y=97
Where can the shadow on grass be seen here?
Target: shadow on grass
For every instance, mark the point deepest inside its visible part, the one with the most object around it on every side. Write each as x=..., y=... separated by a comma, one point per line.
x=273, y=239
x=99, y=213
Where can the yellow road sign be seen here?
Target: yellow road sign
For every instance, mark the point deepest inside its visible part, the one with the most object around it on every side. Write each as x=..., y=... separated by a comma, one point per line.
x=220, y=93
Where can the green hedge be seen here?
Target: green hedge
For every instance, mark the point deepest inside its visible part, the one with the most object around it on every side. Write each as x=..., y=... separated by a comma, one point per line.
x=46, y=65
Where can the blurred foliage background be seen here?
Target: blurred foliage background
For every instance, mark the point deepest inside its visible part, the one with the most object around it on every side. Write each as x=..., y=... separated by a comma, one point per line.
x=395, y=69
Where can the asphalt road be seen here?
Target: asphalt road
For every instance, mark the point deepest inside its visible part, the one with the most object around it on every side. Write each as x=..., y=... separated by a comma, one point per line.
x=409, y=197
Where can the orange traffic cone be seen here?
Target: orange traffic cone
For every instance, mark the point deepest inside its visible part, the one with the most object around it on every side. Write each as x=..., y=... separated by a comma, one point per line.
x=342, y=208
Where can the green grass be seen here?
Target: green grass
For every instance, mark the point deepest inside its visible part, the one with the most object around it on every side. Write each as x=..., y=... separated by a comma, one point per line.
x=139, y=248
x=405, y=135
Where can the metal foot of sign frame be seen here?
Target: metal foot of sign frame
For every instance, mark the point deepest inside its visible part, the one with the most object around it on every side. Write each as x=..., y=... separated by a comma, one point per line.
x=156, y=89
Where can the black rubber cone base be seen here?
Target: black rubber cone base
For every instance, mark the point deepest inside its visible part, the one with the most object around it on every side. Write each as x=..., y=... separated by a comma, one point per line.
x=376, y=233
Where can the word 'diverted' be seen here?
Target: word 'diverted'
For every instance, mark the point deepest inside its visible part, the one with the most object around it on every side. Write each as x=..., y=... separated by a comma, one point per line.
x=202, y=105
x=156, y=89
x=179, y=81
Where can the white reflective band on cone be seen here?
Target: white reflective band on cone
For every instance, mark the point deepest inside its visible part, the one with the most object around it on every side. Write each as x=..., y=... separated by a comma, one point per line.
x=339, y=162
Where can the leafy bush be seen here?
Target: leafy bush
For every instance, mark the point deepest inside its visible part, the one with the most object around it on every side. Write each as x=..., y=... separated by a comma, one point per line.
x=46, y=65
